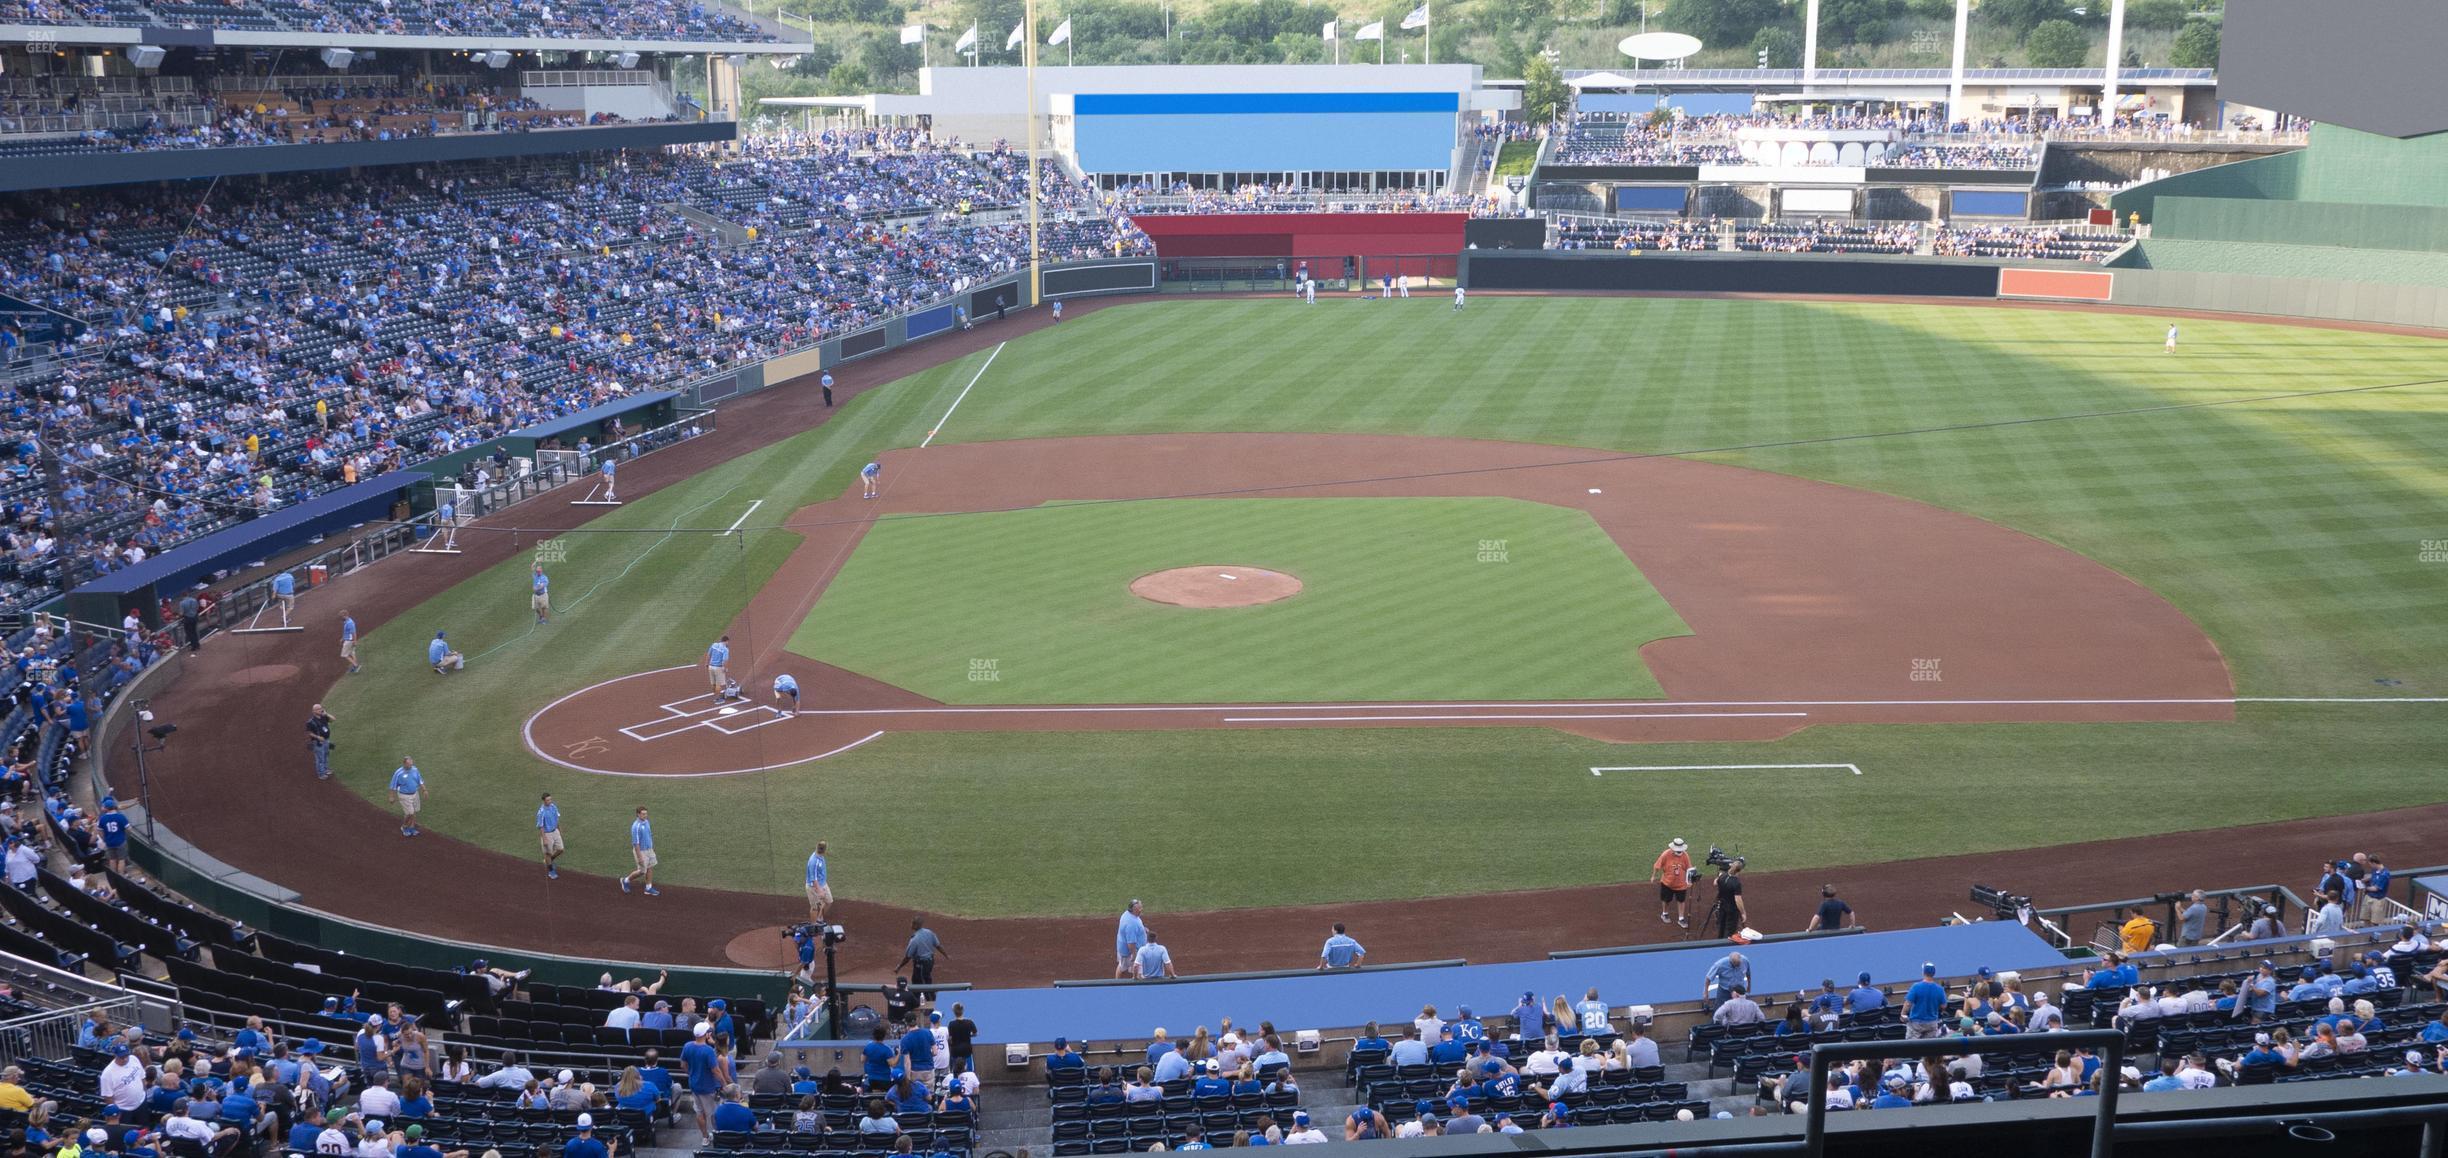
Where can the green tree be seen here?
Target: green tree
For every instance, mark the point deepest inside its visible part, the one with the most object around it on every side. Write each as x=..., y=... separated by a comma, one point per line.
x=1783, y=46
x=2057, y=44
x=2159, y=14
x=2021, y=16
x=1543, y=91
x=1858, y=21
x=885, y=60
x=848, y=79
x=1721, y=22
x=2197, y=46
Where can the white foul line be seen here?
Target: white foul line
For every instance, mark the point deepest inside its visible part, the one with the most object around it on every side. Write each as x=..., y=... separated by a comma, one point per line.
x=1605, y=768
x=973, y=380
x=1507, y=716
x=735, y=523
x=2211, y=701
x=726, y=772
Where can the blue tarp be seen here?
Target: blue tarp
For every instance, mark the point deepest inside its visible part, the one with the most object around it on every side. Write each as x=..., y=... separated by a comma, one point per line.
x=585, y=421
x=257, y=538
x=1328, y=1000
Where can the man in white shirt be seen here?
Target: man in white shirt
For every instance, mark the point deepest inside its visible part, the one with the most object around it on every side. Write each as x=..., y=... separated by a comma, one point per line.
x=2045, y=1016
x=2194, y=1074
x=1303, y=1134
x=23, y=860
x=123, y=1080
x=1546, y=1061
x=378, y=1101
x=333, y=1142
x=1738, y=1009
x=1571, y=1079
x=625, y=1017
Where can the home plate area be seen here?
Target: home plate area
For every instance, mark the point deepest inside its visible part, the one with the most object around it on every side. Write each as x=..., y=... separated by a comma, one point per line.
x=707, y=710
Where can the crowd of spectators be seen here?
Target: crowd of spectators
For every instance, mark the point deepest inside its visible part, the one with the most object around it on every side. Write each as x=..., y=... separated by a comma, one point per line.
x=1613, y=138
x=692, y=20
x=1674, y=233
x=1828, y=237
x=2057, y=243
x=245, y=354
x=1183, y=197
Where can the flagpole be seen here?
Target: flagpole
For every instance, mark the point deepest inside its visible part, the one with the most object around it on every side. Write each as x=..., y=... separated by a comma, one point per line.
x=1428, y=32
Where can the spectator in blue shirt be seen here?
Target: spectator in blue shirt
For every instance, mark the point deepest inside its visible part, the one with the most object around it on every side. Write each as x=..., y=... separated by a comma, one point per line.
x=733, y=1116
x=1925, y=1005
x=2167, y=1079
x=585, y=1144
x=1212, y=1084
x=1864, y=998
x=1063, y=1057
x=1372, y=1039
x=1894, y=1094
x=705, y=1077
x=1446, y=1052
x=1827, y=1005
x=1467, y=1029
x=879, y=1058
x=1530, y=1018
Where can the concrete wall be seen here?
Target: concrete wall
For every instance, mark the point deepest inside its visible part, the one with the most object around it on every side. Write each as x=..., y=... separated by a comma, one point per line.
x=189, y=164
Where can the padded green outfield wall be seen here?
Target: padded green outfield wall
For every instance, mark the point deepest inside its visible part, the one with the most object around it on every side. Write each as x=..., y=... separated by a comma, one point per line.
x=2344, y=224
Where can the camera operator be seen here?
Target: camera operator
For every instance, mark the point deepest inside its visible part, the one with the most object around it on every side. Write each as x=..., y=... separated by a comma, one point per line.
x=1730, y=913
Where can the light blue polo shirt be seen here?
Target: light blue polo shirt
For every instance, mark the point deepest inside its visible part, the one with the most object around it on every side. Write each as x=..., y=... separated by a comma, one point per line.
x=816, y=870
x=284, y=584
x=407, y=780
x=641, y=834
x=1131, y=934
x=719, y=655
x=548, y=818
x=436, y=650
x=1341, y=951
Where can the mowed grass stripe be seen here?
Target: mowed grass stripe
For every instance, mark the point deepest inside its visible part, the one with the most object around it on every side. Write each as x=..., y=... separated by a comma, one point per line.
x=2289, y=529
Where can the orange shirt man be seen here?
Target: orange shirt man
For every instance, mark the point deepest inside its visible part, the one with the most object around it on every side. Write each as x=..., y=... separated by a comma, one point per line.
x=1673, y=876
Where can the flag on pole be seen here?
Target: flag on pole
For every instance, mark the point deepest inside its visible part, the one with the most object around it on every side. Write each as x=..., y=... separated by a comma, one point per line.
x=913, y=34
x=1013, y=41
x=1330, y=30
x=967, y=41
x=1373, y=30
x=1061, y=33
x=1417, y=19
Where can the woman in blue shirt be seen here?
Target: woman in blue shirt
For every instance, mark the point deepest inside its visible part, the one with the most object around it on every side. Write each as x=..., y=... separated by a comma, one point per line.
x=413, y=1101
x=1793, y=1025
x=956, y=1099
x=1245, y=1081
x=634, y=1094
x=908, y=1098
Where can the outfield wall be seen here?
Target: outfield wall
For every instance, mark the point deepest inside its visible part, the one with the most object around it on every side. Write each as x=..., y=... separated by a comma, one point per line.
x=2293, y=297
x=1729, y=273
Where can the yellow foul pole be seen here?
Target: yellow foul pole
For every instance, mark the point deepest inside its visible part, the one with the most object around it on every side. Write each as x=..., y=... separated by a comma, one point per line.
x=1028, y=62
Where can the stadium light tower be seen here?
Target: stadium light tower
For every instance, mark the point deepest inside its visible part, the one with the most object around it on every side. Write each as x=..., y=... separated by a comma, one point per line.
x=1036, y=196
x=2116, y=50
x=1810, y=46
x=1955, y=72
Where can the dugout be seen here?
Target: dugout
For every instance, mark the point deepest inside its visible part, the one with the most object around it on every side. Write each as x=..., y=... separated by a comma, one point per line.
x=142, y=587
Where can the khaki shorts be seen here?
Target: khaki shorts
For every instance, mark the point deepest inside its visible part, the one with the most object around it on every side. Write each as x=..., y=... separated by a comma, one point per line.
x=348, y=649
x=646, y=858
x=540, y=602
x=715, y=674
x=409, y=802
x=550, y=840
x=819, y=895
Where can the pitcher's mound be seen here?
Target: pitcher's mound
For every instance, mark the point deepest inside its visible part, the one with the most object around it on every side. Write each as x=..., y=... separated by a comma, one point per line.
x=1215, y=586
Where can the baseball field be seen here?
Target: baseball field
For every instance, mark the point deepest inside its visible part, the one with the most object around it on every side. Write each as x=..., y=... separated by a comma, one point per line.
x=1832, y=584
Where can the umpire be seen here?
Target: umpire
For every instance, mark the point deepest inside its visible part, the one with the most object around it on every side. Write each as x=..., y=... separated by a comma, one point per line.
x=1730, y=915
x=319, y=741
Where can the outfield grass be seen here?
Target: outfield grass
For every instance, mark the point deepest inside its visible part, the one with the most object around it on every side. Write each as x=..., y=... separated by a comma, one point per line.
x=2291, y=529
x=1395, y=604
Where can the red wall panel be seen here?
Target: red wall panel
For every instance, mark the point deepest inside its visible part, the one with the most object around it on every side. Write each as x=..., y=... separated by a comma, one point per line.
x=1310, y=235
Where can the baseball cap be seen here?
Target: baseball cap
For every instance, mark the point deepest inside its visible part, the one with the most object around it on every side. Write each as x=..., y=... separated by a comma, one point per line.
x=1464, y=1011
x=935, y=1016
x=1986, y=971
x=1061, y=1042
x=1301, y=1117
x=704, y=1028
x=565, y=1077
x=2413, y=1057
x=718, y=1003
x=415, y=1131
x=1929, y=969
x=1213, y=1066
x=96, y=1136
x=373, y=1019
x=586, y=1121
x=1865, y=977
x=438, y=635
x=2268, y=964
x=2261, y=1039
x=1528, y=995
x=1676, y=844
x=374, y=1127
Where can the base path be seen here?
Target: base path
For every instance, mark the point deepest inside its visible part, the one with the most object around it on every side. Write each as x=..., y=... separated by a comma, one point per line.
x=1809, y=603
